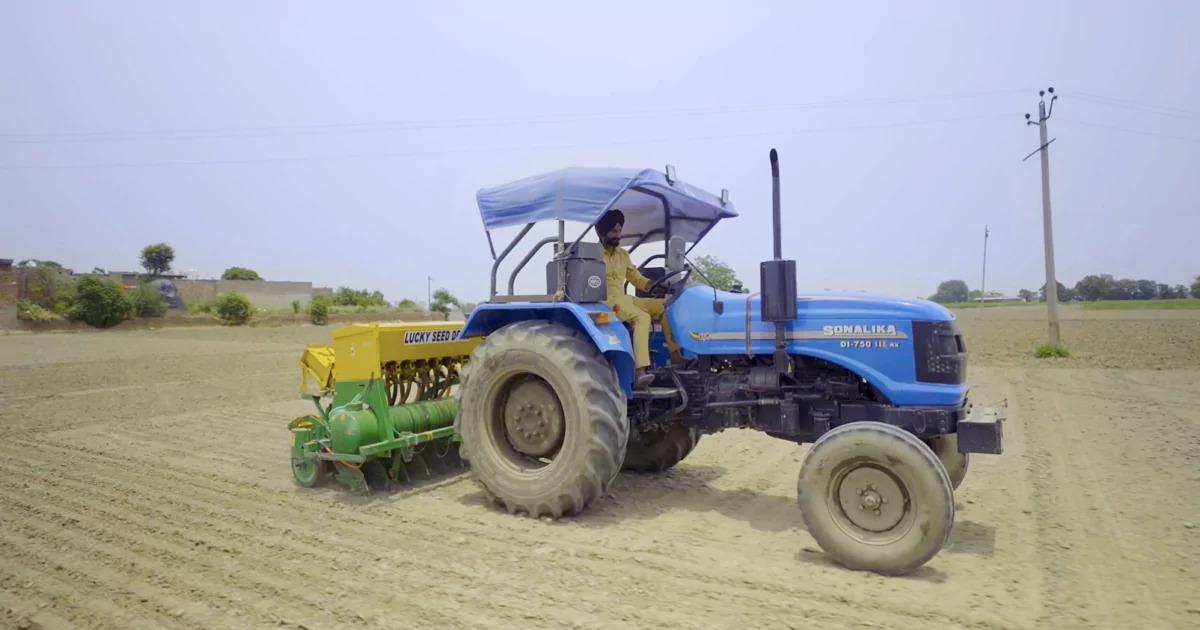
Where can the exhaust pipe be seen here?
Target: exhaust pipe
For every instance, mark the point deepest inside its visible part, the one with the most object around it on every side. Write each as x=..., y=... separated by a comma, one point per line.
x=778, y=251
x=778, y=280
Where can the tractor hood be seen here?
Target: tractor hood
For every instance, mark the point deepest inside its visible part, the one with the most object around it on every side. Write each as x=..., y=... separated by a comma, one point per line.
x=877, y=337
x=869, y=305
x=816, y=306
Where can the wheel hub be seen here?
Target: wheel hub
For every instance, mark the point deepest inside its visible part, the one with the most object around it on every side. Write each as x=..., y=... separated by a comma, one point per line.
x=872, y=499
x=533, y=418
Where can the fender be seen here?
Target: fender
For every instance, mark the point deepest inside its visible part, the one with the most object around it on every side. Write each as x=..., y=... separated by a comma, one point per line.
x=610, y=338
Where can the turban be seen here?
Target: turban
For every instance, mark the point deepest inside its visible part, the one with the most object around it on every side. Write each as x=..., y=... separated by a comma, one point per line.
x=609, y=220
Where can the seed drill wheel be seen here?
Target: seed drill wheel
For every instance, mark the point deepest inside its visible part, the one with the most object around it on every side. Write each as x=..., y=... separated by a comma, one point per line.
x=309, y=472
x=660, y=449
x=876, y=498
x=956, y=464
x=542, y=419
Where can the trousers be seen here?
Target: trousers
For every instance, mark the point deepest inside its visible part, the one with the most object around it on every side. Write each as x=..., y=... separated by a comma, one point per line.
x=639, y=312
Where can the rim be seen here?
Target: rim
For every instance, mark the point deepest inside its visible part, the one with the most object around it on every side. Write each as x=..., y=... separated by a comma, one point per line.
x=305, y=470
x=870, y=503
x=526, y=422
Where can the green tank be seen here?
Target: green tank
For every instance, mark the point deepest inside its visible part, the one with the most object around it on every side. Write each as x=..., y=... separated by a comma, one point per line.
x=353, y=425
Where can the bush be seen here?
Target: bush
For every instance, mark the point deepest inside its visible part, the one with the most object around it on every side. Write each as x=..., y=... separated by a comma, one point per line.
x=1049, y=350
x=233, y=308
x=407, y=305
x=47, y=286
x=29, y=311
x=148, y=302
x=295, y=307
x=100, y=302
x=318, y=309
x=346, y=296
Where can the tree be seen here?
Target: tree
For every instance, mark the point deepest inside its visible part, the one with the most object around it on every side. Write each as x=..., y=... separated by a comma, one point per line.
x=951, y=291
x=1181, y=291
x=974, y=295
x=35, y=263
x=157, y=258
x=442, y=301
x=1196, y=287
x=1094, y=287
x=240, y=273
x=407, y=305
x=1064, y=294
x=1122, y=289
x=1026, y=295
x=1145, y=290
x=1165, y=292
x=720, y=275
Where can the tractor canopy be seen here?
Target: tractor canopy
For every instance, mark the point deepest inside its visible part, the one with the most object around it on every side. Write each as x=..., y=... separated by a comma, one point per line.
x=656, y=208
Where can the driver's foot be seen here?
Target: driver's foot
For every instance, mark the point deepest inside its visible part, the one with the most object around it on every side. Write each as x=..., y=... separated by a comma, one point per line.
x=643, y=381
x=677, y=359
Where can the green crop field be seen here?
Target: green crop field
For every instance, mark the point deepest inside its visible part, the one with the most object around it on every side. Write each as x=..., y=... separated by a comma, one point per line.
x=1128, y=305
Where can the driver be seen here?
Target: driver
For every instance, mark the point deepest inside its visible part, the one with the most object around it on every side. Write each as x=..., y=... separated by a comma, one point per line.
x=635, y=310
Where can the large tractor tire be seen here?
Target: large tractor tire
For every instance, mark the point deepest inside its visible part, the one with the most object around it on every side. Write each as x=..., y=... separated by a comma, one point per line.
x=876, y=498
x=658, y=450
x=956, y=464
x=542, y=419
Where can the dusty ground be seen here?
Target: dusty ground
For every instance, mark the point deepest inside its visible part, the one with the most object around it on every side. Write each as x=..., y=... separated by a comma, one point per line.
x=144, y=483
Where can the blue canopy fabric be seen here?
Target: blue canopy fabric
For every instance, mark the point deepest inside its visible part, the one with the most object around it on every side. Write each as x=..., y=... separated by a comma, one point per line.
x=584, y=194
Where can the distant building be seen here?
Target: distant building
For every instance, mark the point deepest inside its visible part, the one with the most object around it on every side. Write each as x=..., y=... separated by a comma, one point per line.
x=993, y=297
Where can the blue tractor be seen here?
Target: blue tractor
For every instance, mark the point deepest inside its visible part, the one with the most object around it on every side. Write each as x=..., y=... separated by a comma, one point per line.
x=548, y=414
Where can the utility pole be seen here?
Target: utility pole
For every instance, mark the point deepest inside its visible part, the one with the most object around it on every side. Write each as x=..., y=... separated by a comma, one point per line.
x=429, y=294
x=1047, y=227
x=983, y=280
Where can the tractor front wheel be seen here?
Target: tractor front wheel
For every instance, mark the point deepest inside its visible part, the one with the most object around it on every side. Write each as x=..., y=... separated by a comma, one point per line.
x=542, y=419
x=876, y=498
x=660, y=449
x=946, y=449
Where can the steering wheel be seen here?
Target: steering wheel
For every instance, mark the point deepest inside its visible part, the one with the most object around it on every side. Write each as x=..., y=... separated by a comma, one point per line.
x=650, y=289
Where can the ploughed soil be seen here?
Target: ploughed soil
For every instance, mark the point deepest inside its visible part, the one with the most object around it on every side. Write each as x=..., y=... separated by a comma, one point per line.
x=144, y=482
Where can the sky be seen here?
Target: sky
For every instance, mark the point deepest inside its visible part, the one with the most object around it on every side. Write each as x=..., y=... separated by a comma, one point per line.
x=342, y=143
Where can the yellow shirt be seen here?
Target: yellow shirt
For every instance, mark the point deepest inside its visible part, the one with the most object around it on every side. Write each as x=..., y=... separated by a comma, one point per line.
x=619, y=267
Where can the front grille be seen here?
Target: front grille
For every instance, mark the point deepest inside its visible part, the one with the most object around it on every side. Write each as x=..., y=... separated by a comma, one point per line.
x=940, y=354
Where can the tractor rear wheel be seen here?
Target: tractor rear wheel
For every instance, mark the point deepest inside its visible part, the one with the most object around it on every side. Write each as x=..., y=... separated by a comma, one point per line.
x=542, y=419
x=956, y=464
x=660, y=449
x=876, y=498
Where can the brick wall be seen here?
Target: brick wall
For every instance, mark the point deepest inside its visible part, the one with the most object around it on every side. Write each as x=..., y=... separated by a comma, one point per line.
x=10, y=288
x=262, y=293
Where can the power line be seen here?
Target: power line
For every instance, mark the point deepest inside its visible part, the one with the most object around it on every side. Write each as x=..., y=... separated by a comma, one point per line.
x=547, y=147
x=1162, y=110
x=461, y=123
x=1134, y=131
